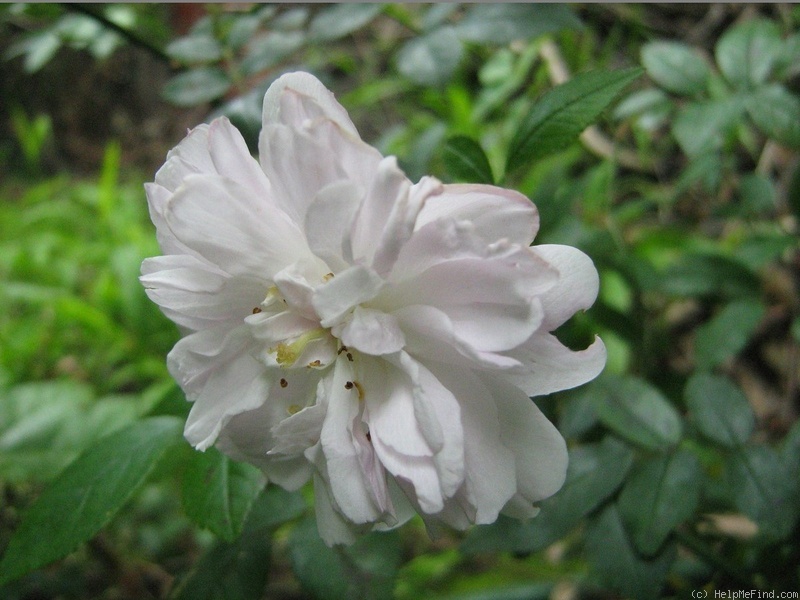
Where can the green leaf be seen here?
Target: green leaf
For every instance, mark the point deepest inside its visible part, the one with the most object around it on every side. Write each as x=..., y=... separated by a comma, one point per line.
x=367, y=569
x=760, y=486
x=465, y=160
x=712, y=275
x=776, y=112
x=558, y=118
x=638, y=412
x=703, y=126
x=676, y=67
x=268, y=50
x=660, y=493
x=746, y=53
x=727, y=333
x=616, y=563
x=196, y=86
x=238, y=570
x=594, y=473
x=757, y=195
x=340, y=20
x=218, y=492
x=500, y=23
x=193, y=49
x=432, y=58
x=719, y=410
x=87, y=495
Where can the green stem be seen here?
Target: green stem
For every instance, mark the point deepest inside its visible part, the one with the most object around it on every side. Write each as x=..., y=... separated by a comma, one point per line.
x=132, y=37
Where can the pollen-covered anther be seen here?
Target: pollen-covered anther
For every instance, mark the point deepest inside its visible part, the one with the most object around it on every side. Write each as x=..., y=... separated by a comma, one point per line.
x=314, y=364
x=294, y=409
x=327, y=277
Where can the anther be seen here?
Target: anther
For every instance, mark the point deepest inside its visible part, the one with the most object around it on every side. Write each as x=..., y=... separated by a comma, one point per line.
x=256, y=310
x=349, y=356
x=328, y=277
x=294, y=409
x=349, y=385
x=283, y=382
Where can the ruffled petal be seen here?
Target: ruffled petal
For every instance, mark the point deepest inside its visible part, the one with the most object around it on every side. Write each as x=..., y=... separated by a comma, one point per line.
x=329, y=220
x=343, y=292
x=373, y=332
x=549, y=366
x=232, y=159
x=577, y=285
x=496, y=213
x=190, y=156
x=223, y=222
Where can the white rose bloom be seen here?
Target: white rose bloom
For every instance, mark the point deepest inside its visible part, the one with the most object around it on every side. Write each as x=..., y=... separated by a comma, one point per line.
x=344, y=324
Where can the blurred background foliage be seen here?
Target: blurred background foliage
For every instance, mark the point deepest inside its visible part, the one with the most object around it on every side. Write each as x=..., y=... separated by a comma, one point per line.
x=685, y=453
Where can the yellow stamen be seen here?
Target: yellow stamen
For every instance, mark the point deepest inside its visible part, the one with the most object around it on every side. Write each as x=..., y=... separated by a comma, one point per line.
x=287, y=354
x=294, y=409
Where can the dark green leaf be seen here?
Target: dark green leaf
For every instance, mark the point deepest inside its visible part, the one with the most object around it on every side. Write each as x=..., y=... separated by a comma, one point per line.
x=196, y=86
x=638, y=412
x=595, y=472
x=218, y=492
x=776, y=112
x=709, y=275
x=720, y=410
x=466, y=161
x=727, y=333
x=676, y=67
x=500, y=23
x=366, y=569
x=702, y=127
x=616, y=563
x=87, y=495
x=432, y=58
x=558, y=118
x=756, y=195
x=238, y=570
x=760, y=485
x=746, y=53
x=194, y=49
x=340, y=20
x=660, y=493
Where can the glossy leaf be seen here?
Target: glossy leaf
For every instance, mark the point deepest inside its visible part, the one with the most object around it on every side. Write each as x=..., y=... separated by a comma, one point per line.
x=638, y=412
x=702, y=127
x=218, y=492
x=196, y=86
x=557, y=118
x=366, y=569
x=660, y=493
x=719, y=410
x=776, y=112
x=760, y=485
x=501, y=23
x=466, y=161
x=746, y=53
x=432, y=58
x=87, y=495
x=676, y=67
x=339, y=20
x=616, y=563
x=727, y=333
x=194, y=49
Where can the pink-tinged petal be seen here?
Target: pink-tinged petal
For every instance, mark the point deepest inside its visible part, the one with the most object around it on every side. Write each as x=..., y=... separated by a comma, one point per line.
x=298, y=432
x=333, y=528
x=275, y=328
x=233, y=387
x=190, y=156
x=296, y=285
x=343, y=292
x=372, y=332
x=232, y=159
x=329, y=220
x=496, y=213
x=157, y=200
x=227, y=225
x=328, y=156
x=489, y=301
x=350, y=488
x=196, y=294
x=490, y=476
x=295, y=98
x=577, y=284
x=540, y=453
x=549, y=366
